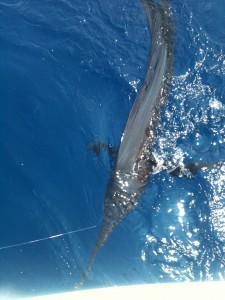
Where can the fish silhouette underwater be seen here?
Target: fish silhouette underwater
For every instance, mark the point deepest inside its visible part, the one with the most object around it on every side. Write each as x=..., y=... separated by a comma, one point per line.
x=134, y=163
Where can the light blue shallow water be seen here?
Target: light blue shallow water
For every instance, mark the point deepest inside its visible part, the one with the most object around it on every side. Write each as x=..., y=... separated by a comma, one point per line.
x=69, y=74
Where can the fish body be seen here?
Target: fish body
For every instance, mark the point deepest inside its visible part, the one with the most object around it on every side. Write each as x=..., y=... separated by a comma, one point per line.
x=134, y=163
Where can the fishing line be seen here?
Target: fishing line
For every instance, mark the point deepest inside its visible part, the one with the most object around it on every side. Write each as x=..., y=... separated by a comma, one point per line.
x=48, y=237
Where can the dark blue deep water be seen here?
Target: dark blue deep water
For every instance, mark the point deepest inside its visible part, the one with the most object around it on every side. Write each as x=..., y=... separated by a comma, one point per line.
x=69, y=73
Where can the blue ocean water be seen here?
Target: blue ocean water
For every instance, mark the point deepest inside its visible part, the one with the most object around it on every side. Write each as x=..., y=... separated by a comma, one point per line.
x=70, y=71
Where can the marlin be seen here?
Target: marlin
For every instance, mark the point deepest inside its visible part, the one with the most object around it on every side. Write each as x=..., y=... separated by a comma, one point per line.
x=134, y=163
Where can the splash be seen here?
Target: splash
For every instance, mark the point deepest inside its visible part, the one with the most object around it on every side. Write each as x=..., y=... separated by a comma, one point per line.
x=192, y=244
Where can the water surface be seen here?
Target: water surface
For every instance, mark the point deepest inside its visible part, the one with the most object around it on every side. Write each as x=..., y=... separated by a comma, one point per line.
x=70, y=71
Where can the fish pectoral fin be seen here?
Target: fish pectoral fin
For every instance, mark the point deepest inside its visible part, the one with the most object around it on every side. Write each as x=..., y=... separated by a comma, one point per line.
x=181, y=171
x=188, y=170
x=97, y=148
